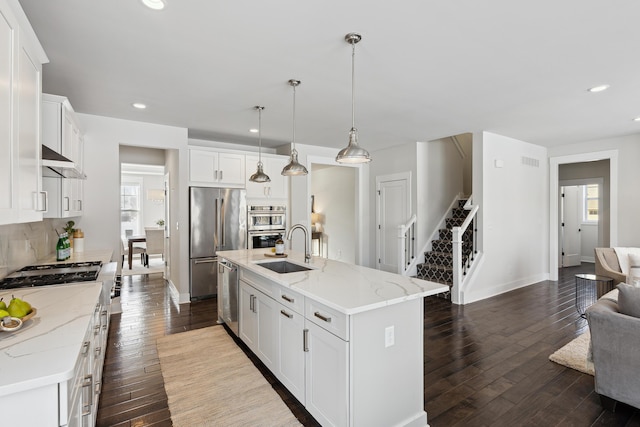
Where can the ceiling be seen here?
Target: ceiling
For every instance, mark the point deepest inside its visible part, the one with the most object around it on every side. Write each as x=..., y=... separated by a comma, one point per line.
x=424, y=69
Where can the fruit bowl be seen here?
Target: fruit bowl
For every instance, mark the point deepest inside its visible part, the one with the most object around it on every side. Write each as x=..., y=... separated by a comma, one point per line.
x=16, y=323
x=30, y=314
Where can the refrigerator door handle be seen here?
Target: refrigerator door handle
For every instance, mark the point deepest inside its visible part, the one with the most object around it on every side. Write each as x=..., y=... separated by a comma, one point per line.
x=223, y=243
x=204, y=260
x=216, y=242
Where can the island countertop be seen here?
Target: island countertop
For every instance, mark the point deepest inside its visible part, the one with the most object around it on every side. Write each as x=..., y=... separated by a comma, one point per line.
x=44, y=351
x=348, y=288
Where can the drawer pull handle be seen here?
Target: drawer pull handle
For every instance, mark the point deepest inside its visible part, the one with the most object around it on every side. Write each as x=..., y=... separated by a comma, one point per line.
x=85, y=347
x=287, y=299
x=284, y=313
x=305, y=340
x=322, y=317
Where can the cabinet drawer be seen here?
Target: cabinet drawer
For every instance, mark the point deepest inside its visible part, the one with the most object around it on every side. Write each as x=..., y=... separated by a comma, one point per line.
x=290, y=299
x=327, y=318
x=260, y=283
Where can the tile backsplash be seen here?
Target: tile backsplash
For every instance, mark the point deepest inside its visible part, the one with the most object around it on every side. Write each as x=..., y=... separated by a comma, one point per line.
x=28, y=243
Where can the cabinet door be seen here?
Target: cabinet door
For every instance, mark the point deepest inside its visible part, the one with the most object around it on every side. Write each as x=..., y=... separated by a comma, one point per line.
x=68, y=135
x=248, y=321
x=327, y=381
x=290, y=367
x=279, y=185
x=9, y=158
x=231, y=168
x=30, y=198
x=203, y=166
x=254, y=189
x=267, y=346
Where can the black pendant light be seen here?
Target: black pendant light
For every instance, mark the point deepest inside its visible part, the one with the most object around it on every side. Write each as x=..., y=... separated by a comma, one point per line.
x=259, y=176
x=353, y=153
x=294, y=168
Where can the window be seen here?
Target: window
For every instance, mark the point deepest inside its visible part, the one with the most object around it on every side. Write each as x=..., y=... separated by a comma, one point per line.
x=130, y=208
x=591, y=202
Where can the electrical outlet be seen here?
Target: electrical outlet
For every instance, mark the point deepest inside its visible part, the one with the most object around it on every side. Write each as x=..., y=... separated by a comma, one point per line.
x=389, y=336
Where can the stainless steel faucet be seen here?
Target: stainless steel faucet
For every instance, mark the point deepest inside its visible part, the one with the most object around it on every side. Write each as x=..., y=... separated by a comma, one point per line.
x=307, y=254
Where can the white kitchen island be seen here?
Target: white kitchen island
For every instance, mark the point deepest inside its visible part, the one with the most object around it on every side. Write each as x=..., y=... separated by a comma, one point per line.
x=346, y=340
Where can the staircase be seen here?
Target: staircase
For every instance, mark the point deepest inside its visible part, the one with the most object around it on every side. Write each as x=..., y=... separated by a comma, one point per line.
x=438, y=264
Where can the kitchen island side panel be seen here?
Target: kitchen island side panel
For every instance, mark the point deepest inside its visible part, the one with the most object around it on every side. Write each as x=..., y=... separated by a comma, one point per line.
x=387, y=366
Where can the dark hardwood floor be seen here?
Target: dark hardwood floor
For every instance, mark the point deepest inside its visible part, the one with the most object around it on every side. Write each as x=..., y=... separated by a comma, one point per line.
x=486, y=363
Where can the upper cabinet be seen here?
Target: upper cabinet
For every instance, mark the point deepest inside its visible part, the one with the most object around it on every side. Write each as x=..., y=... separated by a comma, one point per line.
x=21, y=57
x=216, y=168
x=60, y=128
x=278, y=187
x=61, y=132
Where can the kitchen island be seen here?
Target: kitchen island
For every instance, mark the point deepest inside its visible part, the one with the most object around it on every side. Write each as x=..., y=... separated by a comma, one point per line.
x=346, y=340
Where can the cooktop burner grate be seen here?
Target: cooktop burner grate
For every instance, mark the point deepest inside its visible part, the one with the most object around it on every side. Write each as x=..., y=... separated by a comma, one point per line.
x=52, y=274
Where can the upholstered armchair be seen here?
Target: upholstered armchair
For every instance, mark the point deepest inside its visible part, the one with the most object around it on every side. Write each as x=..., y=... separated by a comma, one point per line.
x=615, y=343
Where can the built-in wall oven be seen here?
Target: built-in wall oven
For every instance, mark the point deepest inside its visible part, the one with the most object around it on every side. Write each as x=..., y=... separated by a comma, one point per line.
x=265, y=224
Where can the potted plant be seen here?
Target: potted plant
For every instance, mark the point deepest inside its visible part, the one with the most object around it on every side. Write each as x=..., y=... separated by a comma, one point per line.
x=160, y=222
x=70, y=230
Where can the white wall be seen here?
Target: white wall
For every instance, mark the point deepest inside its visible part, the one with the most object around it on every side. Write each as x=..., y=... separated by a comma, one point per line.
x=334, y=192
x=389, y=161
x=513, y=220
x=440, y=179
x=300, y=197
x=101, y=222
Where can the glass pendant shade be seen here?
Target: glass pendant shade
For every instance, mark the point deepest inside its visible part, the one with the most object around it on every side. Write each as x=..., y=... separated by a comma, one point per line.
x=259, y=176
x=353, y=153
x=294, y=168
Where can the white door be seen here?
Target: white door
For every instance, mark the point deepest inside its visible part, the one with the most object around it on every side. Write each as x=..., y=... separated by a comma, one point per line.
x=393, y=207
x=570, y=225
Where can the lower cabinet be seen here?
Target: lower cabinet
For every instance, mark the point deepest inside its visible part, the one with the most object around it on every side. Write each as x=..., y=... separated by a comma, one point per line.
x=257, y=324
x=327, y=376
x=310, y=361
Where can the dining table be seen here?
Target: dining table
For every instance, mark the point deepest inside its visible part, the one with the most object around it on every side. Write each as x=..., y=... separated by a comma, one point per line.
x=131, y=240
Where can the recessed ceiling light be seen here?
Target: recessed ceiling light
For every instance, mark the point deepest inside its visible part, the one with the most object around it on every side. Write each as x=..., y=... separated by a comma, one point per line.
x=139, y=105
x=637, y=119
x=253, y=130
x=154, y=4
x=599, y=88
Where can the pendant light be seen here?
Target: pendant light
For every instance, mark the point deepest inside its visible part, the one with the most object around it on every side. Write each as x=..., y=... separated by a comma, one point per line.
x=259, y=176
x=294, y=168
x=353, y=153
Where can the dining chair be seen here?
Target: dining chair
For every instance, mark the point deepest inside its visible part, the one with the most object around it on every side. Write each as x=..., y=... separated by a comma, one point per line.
x=155, y=243
x=124, y=250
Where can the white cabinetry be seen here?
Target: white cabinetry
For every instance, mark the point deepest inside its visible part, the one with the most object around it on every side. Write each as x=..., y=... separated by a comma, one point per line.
x=216, y=168
x=61, y=130
x=361, y=369
x=21, y=59
x=257, y=324
x=61, y=133
x=278, y=188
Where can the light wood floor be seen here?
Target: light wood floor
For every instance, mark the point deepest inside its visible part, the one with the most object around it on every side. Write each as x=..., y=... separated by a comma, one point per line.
x=486, y=363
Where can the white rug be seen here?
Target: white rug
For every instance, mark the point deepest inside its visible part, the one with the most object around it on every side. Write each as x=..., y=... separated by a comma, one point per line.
x=574, y=354
x=156, y=265
x=210, y=382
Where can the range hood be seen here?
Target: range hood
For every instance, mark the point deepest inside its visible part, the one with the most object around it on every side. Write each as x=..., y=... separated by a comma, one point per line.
x=57, y=166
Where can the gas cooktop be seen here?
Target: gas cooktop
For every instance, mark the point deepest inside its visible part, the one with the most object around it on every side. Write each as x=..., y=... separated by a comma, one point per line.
x=52, y=274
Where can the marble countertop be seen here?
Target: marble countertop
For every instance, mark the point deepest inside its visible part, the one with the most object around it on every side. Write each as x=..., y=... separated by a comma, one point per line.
x=348, y=288
x=44, y=351
x=103, y=255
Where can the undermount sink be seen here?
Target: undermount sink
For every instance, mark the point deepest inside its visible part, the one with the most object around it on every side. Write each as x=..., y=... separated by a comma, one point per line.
x=284, y=267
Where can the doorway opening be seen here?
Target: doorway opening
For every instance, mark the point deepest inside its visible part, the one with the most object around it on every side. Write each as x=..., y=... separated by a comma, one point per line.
x=581, y=206
x=334, y=211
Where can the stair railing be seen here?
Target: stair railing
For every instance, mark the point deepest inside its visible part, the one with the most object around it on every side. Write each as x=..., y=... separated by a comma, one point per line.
x=406, y=245
x=461, y=266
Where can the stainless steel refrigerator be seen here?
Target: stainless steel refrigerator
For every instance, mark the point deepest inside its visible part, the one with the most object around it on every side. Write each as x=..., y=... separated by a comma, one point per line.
x=218, y=221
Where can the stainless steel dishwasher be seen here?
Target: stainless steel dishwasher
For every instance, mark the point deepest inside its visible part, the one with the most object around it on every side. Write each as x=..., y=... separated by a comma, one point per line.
x=228, y=288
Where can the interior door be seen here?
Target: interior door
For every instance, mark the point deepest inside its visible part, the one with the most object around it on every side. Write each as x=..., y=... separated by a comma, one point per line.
x=393, y=210
x=570, y=225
